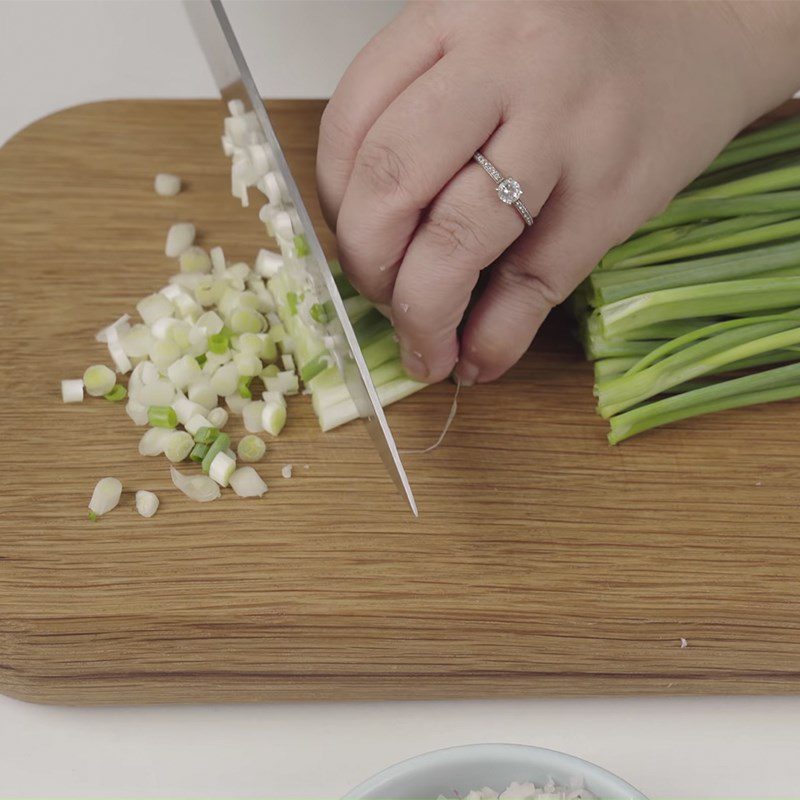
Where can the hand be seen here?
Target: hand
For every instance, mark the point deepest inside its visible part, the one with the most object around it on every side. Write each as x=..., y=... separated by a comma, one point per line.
x=601, y=110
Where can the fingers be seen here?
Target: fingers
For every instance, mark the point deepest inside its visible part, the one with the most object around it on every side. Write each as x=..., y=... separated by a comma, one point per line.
x=416, y=146
x=535, y=274
x=466, y=229
x=390, y=62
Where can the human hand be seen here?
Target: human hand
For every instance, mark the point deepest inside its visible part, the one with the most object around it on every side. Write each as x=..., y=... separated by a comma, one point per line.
x=601, y=110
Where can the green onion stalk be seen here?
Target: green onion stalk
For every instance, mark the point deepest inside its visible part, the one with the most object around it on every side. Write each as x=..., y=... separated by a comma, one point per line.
x=699, y=311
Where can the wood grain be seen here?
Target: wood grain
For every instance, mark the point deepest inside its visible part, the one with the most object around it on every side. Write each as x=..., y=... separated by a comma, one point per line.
x=544, y=561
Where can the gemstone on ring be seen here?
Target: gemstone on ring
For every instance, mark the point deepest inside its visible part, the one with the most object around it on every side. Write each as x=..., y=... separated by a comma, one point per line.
x=509, y=191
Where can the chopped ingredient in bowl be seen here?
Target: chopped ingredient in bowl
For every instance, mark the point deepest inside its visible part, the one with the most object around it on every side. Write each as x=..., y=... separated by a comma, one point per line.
x=529, y=791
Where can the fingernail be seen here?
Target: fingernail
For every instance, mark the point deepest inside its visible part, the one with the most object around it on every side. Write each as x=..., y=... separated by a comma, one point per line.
x=413, y=363
x=467, y=373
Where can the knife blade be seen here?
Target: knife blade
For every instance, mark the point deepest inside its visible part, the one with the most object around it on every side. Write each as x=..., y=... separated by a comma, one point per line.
x=235, y=82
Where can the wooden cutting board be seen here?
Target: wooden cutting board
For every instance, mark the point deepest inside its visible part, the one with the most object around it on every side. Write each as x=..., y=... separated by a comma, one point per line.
x=544, y=562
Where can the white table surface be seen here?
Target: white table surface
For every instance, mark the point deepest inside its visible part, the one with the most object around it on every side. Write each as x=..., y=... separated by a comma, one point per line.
x=55, y=54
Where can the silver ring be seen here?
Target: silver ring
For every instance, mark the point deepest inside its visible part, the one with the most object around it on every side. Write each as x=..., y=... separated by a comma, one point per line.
x=508, y=190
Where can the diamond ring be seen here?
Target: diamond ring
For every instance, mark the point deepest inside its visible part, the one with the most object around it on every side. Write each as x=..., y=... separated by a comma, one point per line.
x=508, y=190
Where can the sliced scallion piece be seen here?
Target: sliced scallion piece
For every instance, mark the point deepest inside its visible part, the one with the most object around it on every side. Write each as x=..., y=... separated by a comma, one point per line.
x=162, y=416
x=221, y=443
x=119, y=392
x=206, y=435
x=198, y=452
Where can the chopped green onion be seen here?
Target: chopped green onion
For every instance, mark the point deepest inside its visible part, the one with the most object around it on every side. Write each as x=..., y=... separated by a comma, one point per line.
x=218, y=343
x=162, y=416
x=92, y=516
x=221, y=468
x=105, y=496
x=195, y=260
x=146, y=503
x=247, y=365
x=246, y=320
x=196, y=422
x=291, y=302
x=269, y=350
x=270, y=371
x=244, y=387
x=251, y=448
x=221, y=443
x=206, y=435
x=247, y=483
x=178, y=446
x=119, y=392
x=99, y=380
x=209, y=290
x=201, y=359
x=301, y=246
x=198, y=452
x=273, y=417
x=225, y=380
x=218, y=417
x=317, y=312
x=72, y=390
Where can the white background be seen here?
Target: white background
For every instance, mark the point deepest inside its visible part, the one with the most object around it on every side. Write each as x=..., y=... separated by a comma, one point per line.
x=55, y=54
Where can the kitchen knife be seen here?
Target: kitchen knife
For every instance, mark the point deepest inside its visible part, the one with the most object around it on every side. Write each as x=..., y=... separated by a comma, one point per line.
x=235, y=82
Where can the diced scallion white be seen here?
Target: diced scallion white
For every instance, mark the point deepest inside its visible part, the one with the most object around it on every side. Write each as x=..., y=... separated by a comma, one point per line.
x=268, y=264
x=247, y=365
x=167, y=185
x=196, y=487
x=137, y=412
x=154, y=440
x=120, y=326
x=236, y=403
x=195, y=260
x=251, y=448
x=159, y=392
x=201, y=392
x=99, y=380
x=146, y=503
x=105, y=496
x=72, y=391
x=273, y=418
x=246, y=482
x=178, y=446
x=183, y=371
x=179, y=238
x=218, y=417
x=251, y=416
x=196, y=422
x=225, y=380
x=185, y=409
x=221, y=469
x=154, y=307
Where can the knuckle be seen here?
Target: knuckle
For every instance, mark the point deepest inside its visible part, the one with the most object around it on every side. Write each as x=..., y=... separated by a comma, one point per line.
x=453, y=231
x=527, y=284
x=381, y=167
x=335, y=132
